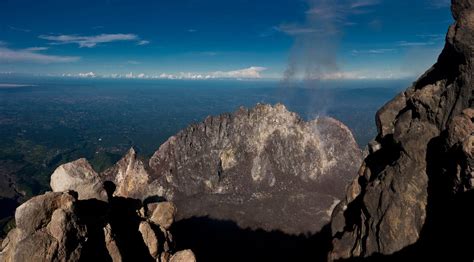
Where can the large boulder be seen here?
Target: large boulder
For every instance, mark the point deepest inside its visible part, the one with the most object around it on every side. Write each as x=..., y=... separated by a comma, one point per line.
x=79, y=176
x=47, y=230
x=162, y=213
x=183, y=256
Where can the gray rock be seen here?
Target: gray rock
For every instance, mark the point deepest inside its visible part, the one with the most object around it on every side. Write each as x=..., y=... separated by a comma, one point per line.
x=264, y=162
x=407, y=187
x=80, y=177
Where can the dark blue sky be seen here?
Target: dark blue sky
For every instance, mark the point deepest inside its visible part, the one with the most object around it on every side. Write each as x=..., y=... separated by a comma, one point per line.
x=234, y=38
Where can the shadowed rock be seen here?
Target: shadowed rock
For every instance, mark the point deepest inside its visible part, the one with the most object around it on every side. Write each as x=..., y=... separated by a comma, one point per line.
x=407, y=199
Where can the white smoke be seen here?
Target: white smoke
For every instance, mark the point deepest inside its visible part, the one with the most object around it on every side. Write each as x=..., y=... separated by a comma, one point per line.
x=316, y=41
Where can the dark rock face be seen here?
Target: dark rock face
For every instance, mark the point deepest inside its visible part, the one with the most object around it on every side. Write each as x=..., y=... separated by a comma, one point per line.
x=263, y=168
x=419, y=173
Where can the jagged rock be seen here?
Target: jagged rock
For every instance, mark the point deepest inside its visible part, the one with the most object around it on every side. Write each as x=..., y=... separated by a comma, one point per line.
x=80, y=177
x=57, y=226
x=36, y=212
x=183, y=256
x=165, y=257
x=129, y=175
x=111, y=244
x=162, y=213
x=47, y=230
x=149, y=237
x=264, y=162
x=416, y=183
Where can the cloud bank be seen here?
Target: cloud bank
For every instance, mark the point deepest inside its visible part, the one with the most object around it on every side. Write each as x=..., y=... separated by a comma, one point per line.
x=253, y=72
x=92, y=41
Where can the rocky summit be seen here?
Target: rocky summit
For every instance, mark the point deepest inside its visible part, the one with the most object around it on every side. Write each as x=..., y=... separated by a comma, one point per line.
x=413, y=197
x=255, y=165
x=248, y=167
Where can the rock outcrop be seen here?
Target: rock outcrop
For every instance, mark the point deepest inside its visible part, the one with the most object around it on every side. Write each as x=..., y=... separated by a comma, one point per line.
x=57, y=226
x=129, y=175
x=47, y=230
x=414, y=190
x=249, y=167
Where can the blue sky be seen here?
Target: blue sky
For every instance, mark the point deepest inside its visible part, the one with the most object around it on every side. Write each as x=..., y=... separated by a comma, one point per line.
x=329, y=39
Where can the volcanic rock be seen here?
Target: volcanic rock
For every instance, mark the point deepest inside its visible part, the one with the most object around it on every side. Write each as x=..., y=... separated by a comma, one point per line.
x=183, y=256
x=80, y=177
x=257, y=164
x=149, y=237
x=411, y=194
x=47, y=230
x=129, y=175
x=57, y=226
x=162, y=214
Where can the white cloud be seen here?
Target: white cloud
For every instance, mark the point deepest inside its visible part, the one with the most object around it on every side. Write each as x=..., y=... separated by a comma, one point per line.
x=363, y=75
x=19, y=29
x=31, y=56
x=37, y=48
x=143, y=42
x=253, y=72
x=92, y=41
x=363, y=3
x=408, y=44
x=373, y=51
x=294, y=29
x=88, y=74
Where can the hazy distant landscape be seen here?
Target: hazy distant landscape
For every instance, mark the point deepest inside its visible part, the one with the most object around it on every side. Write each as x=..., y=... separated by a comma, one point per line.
x=56, y=121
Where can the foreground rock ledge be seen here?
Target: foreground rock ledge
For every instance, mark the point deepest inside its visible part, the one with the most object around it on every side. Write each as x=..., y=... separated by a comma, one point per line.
x=57, y=226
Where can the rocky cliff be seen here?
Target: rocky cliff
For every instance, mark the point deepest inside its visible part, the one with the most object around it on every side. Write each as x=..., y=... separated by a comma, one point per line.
x=413, y=196
x=249, y=167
